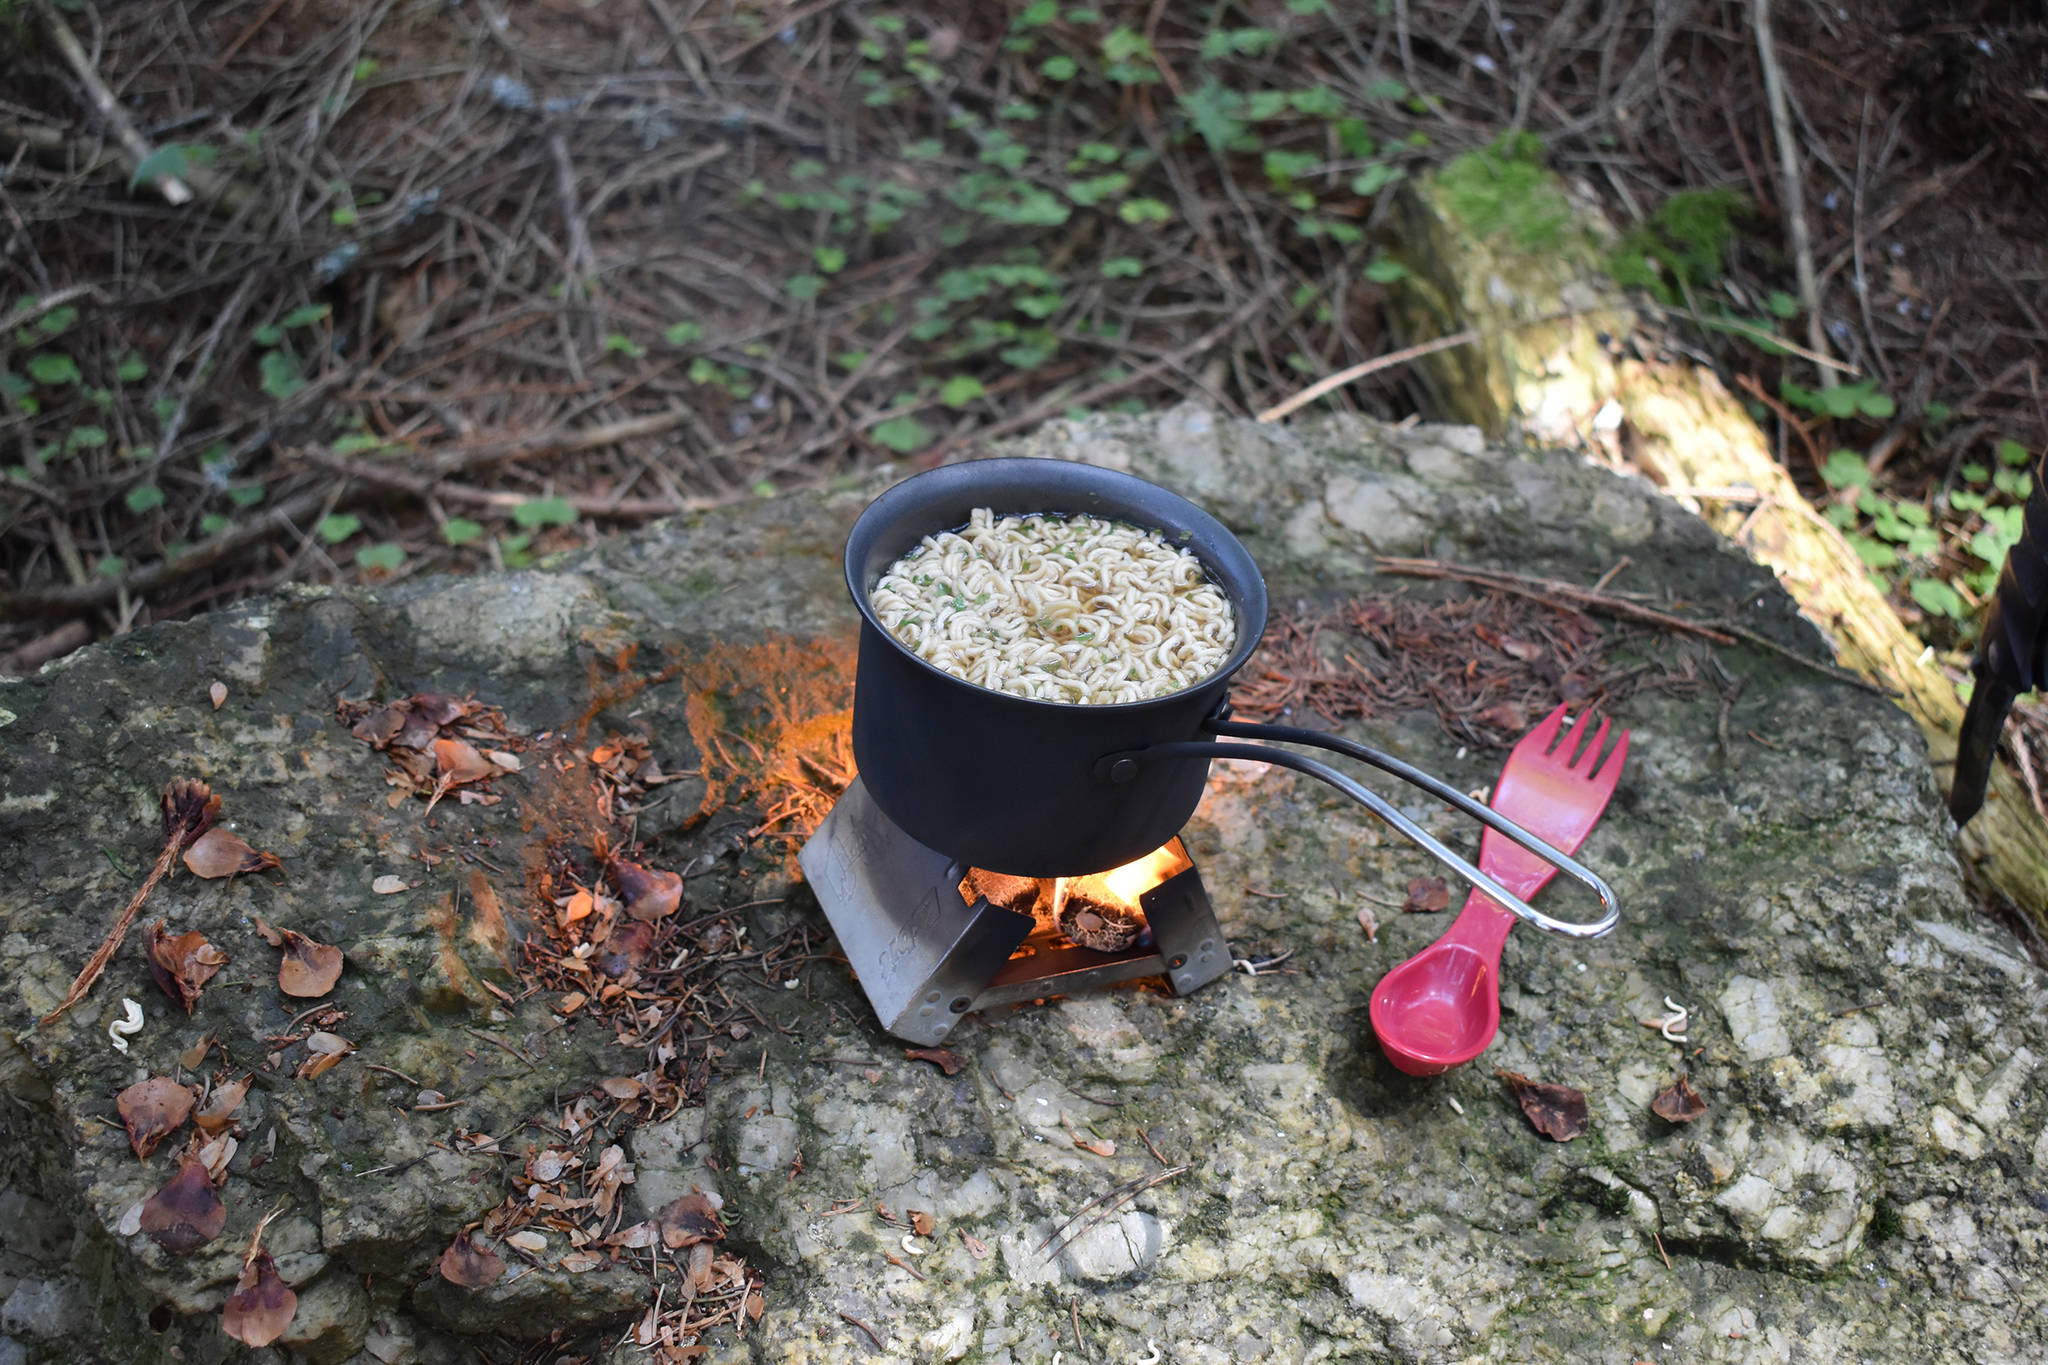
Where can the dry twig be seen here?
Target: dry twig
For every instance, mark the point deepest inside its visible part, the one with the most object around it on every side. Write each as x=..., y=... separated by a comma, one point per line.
x=189, y=809
x=1550, y=591
x=1791, y=183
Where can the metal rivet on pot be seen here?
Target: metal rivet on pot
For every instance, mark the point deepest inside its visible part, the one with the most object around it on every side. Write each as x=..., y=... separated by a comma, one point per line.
x=960, y=1004
x=1180, y=960
x=1123, y=770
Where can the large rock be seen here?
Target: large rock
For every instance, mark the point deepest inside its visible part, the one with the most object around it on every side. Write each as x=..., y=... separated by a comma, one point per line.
x=1867, y=1183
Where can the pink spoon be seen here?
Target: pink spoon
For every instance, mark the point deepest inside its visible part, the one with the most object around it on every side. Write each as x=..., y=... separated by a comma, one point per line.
x=1440, y=1008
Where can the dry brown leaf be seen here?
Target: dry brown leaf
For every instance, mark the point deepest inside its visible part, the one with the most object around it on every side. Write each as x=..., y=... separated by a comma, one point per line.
x=636, y=1237
x=215, y=1154
x=1556, y=1111
x=576, y=1262
x=922, y=1223
x=700, y=1266
x=627, y=949
x=192, y=1056
x=151, y=1111
x=756, y=1305
x=262, y=1305
x=945, y=1059
x=220, y=852
x=219, y=1110
x=270, y=935
x=622, y=1087
x=1505, y=717
x=577, y=907
x=380, y=727
x=1369, y=922
x=570, y=1003
x=504, y=758
x=470, y=1266
x=650, y=894
x=976, y=1248
x=548, y=1166
x=1426, y=896
x=186, y=1213
x=691, y=1220
x=458, y=761
x=1680, y=1103
x=1528, y=651
x=309, y=969
x=219, y=693
x=324, y=1052
x=528, y=1240
x=388, y=885
x=181, y=966
x=438, y=708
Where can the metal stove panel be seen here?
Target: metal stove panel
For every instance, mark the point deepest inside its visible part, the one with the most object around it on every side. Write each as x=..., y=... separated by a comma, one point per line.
x=921, y=955
x=1184, y=927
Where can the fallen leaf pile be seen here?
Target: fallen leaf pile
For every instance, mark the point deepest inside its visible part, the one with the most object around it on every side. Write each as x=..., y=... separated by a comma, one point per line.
x=595, y=921
x=626, y=768
x=439, y=744
x=186, y=1212
x=566, y=1214
x=607, y=938
x=1556, y=1111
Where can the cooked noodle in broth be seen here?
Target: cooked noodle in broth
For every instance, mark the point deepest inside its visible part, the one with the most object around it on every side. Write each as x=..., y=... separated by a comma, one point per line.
x=1066, y=609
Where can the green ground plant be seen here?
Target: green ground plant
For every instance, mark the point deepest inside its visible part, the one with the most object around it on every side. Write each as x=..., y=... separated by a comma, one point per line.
x=1934, y=546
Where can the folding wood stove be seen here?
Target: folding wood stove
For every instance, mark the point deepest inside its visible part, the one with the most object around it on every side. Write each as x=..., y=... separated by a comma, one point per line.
x=929, y=946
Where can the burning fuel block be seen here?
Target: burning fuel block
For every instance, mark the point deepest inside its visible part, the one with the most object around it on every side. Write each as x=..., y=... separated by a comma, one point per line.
x=1095, y=917
x=1019, y=895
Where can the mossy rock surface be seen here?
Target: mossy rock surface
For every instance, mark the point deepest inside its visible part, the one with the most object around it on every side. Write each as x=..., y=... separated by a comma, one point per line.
x=1866, y=1183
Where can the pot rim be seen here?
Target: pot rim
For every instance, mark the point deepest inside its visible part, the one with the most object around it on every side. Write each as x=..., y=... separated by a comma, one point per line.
x=1250, y=605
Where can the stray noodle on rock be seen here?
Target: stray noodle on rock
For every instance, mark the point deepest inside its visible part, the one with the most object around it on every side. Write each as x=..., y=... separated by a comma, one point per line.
x=1065, y=609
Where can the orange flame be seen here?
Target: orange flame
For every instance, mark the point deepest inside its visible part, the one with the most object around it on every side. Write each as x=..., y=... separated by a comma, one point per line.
x=1134, y=879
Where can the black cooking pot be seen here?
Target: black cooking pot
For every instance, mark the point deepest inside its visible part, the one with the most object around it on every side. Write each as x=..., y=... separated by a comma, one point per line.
x=1052, y=789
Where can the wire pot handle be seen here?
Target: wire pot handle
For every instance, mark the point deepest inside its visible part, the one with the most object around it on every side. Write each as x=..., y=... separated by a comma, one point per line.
x=1121, y=767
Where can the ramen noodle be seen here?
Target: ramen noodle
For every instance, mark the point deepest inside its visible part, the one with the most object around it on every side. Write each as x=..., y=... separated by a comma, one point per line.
x=1063, y=609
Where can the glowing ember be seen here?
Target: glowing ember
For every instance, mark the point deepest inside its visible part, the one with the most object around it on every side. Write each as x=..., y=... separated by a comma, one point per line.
x=1102, y=910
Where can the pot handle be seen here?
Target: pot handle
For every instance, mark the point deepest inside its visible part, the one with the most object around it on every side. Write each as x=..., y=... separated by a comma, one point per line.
x=1112, y=767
